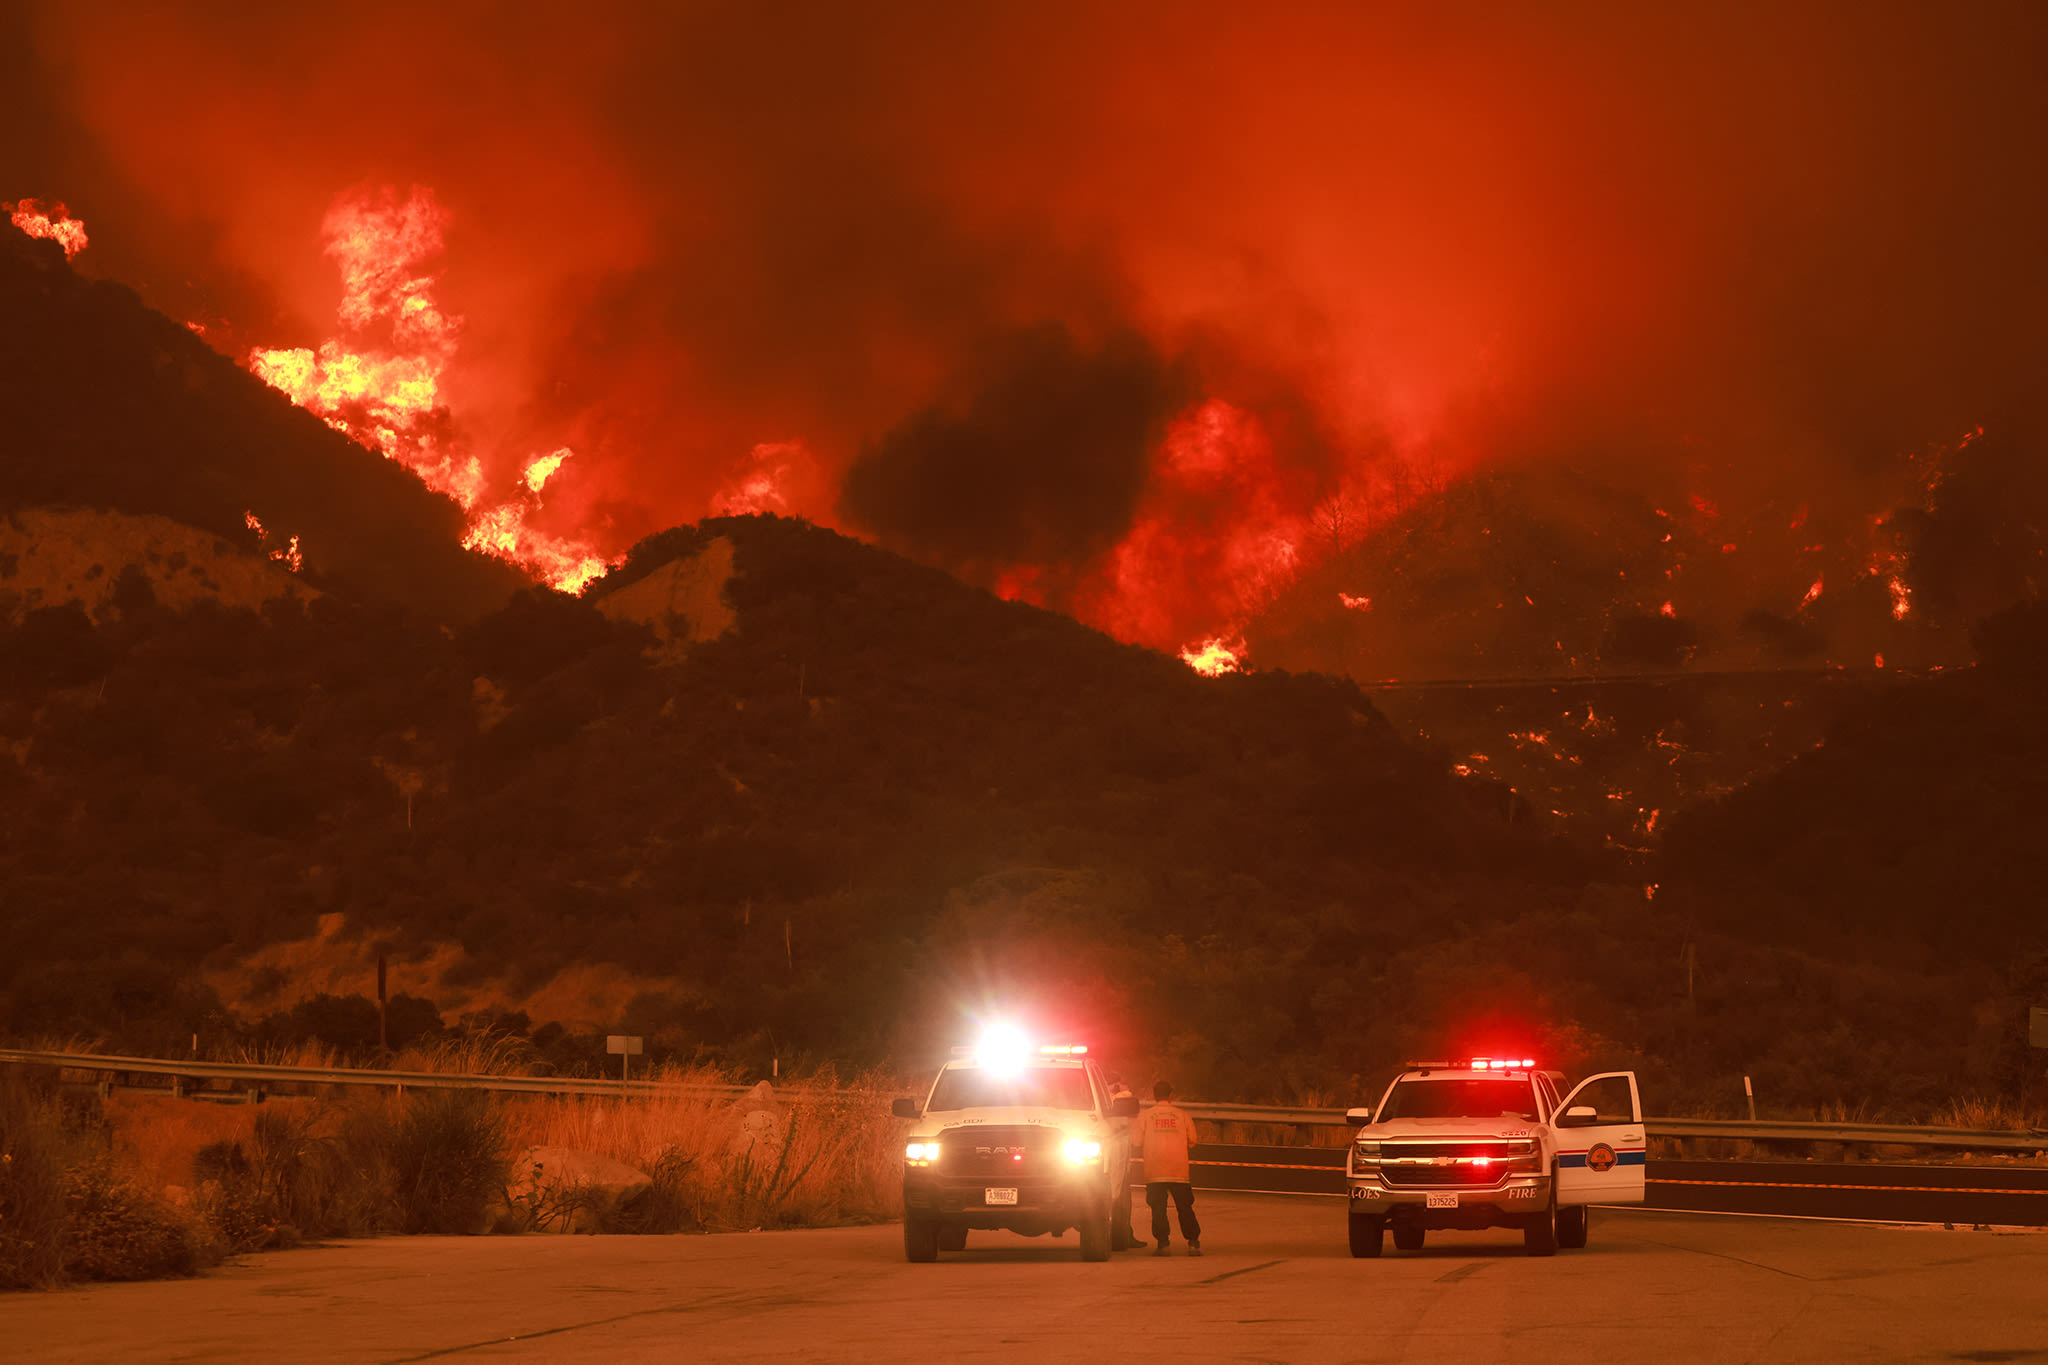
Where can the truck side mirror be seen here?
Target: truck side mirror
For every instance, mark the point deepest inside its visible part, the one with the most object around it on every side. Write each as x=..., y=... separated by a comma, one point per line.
x=904, y=1109
x=1124, y=1107
x=1358, y=1118
x=1578, y=1116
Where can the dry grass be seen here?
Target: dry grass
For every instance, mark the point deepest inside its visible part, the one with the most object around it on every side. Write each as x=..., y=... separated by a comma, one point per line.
x=814, y=1153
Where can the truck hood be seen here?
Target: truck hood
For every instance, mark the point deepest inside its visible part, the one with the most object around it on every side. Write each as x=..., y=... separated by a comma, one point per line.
x=1496, y=1127
x=1063, y=1120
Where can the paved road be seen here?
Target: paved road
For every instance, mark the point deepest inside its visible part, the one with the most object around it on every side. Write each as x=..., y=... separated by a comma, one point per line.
x=1924, y=1192
x=1277, y=1285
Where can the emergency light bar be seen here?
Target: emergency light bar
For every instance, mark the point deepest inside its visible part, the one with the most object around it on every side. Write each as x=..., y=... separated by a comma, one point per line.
x=1478, y=1064
x=1004, y=1048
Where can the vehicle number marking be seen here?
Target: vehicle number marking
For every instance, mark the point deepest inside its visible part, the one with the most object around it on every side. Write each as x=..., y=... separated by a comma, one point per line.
x=991, y=1195
x=1443, y=1201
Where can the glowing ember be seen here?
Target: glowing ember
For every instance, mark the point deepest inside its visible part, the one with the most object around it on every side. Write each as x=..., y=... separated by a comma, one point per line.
x=53, y=221
x=1667, y=610
x=1902, y=598
x=1213, y=658
x=289, y=555
x=1355, y=603
x=1813, y=593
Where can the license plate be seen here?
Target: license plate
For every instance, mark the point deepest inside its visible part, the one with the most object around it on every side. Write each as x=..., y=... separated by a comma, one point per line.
x=1443, y=1201
x=992, y=1195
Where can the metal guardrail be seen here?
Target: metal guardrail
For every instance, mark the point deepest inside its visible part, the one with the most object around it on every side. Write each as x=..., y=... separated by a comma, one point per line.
x=1977, y=1139
x=253, y=1073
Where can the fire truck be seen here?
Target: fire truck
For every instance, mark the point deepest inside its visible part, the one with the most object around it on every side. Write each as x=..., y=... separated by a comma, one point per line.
x=1020, y=1137
x=1486, y=1143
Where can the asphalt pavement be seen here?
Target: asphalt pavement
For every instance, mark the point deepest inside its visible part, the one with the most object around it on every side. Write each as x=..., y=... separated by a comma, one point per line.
x=1277, y=1284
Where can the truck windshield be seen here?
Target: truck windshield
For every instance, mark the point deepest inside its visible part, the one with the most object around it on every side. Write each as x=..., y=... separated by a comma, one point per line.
x=1450, y=1099
x=1035, y=1087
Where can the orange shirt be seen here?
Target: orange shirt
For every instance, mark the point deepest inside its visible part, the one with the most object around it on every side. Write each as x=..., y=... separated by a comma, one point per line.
x=1163, y=1137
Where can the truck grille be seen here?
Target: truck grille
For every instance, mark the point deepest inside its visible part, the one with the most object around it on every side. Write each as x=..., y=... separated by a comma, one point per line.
x=1440, y=1164
x=1464, y=1173
x=998, y=1153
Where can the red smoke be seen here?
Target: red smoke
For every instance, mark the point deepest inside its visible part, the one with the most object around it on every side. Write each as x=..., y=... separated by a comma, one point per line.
x=1274, y=271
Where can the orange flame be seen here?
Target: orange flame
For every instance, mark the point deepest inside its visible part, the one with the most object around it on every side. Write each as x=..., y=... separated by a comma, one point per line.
x=1355, y=603
x=379, y=382
x=53, y=221
x=1813, y=592
x=1214, y=657
x=290, y=555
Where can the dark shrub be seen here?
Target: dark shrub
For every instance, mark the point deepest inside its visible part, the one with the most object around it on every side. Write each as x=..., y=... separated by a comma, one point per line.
x=33, y=1216
x=447, y=1160
x=119, y=1232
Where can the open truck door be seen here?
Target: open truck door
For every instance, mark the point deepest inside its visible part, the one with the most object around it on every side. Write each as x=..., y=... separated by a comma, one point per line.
x=1602, y=1146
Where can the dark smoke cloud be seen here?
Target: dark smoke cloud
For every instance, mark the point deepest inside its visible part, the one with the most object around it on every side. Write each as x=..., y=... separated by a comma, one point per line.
x=1041, y=461
x=1755, y=249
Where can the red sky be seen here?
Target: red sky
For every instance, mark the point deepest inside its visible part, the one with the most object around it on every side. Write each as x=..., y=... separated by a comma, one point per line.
x=1773, y=242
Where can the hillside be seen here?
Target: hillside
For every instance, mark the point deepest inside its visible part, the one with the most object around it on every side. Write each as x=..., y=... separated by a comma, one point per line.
x=771, y=793
x=107, y=405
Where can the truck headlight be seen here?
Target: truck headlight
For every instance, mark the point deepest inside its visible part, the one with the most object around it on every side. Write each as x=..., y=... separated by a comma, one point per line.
x=1368, y=1149
x=1078, y=1150
x=921, y=1153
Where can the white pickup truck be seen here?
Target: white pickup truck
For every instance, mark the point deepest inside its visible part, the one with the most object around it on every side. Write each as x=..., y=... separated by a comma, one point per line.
x=1487, y=1143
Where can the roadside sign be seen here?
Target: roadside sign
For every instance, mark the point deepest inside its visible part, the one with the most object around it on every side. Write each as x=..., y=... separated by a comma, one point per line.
x=2037, y=1026
x=626, y=1046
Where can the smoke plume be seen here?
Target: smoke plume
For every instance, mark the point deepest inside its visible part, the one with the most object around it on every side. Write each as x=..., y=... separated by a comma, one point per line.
x=979, y=264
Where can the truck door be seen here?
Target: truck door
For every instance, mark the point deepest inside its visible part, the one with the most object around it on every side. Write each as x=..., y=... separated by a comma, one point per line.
x=1601, y=1155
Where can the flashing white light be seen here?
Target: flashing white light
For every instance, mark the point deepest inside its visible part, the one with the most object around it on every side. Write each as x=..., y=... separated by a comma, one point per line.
x=921, y=1153
x=1077, y=1150
x=1003, y=1048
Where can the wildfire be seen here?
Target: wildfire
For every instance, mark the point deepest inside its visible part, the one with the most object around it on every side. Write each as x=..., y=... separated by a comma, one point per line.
x=777, y=477
x=543, y=467
x=288, y=555
x=53, y=221
x=1354, y=603
x=379, y=382
x=1214, y=657
x=1813, y=593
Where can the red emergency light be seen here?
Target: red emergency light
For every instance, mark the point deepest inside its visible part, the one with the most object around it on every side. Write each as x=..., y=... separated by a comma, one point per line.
x=1478, y=1064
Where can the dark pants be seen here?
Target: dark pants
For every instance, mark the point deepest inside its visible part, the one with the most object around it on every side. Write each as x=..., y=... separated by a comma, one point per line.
x=1157, y=1192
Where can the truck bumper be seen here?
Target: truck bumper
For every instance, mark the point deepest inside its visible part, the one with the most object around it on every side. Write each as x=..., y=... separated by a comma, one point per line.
x=1042, y=1205
x=1512, y=1202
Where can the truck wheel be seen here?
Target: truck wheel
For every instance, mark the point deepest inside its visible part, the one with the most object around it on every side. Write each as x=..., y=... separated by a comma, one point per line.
x=1095, y=1235
x=1539, y=1238
x=1407, y=1238
x=952, y=1237
x=1366, y=1230
x=920, y=1239
x=1572, y=1224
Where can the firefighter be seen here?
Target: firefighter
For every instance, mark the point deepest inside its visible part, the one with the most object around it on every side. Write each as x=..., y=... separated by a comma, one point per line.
x=1165, y=1136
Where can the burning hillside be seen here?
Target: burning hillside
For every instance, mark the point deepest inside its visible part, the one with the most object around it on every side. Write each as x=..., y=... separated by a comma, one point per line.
x=1146, y=350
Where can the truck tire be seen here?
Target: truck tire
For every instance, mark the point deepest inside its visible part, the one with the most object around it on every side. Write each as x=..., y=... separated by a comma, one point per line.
x=1095, y=1235
x=953, y=1237
x=1407, y=1238
x=1367, y=1235
x=1572, y=1225
x=920, y=1239
x=1539, y=1238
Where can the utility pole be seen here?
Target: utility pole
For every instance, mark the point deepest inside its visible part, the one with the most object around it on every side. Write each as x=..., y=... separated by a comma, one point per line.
x=383, y=1031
